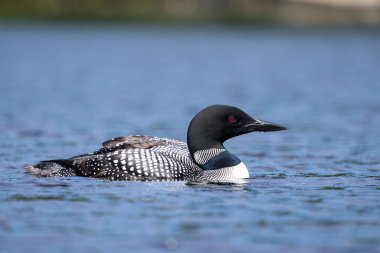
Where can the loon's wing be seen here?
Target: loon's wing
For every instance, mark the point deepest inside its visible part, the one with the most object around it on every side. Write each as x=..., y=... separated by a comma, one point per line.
x=132, y=142
x=139, y=141
x=125, y=142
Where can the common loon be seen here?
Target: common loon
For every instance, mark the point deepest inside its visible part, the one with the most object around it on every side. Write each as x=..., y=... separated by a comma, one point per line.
x=146, y=158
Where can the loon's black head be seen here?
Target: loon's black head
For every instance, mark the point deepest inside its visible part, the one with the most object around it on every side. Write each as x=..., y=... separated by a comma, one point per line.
x=217, y=123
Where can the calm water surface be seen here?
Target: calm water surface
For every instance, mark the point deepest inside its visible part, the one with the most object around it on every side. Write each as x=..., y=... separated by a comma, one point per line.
x=65, y=88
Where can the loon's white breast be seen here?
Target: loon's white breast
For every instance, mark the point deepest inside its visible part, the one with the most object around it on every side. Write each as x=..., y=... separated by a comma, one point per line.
x=240, y=171
x=229, y=174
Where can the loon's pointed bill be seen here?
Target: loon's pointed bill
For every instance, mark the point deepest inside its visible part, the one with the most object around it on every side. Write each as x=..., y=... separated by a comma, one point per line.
x=147, y=158
x=263, y=126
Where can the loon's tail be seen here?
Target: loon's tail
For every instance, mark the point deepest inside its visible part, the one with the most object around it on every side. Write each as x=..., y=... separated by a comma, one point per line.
x=50, y=169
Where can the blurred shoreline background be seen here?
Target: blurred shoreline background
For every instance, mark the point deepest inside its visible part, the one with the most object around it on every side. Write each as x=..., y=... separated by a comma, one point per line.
x=266, y=12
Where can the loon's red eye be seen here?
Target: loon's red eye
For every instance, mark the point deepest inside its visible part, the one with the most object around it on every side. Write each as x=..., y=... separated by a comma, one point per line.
x=232, y=119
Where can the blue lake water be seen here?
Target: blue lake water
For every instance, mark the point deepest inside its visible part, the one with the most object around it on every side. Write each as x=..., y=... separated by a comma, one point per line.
x=66, y=88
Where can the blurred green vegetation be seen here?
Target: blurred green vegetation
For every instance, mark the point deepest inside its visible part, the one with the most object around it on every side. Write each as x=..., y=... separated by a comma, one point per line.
x=295, y=12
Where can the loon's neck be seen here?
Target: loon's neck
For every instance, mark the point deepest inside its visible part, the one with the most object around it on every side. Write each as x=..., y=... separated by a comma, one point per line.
x=199, y=139
x=216, y=161
x=215, y=158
